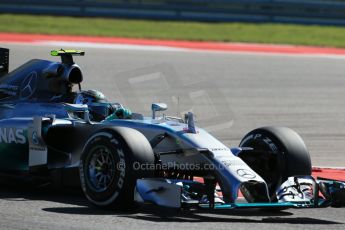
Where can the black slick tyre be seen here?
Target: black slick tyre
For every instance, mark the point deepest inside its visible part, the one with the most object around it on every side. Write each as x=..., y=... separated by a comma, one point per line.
x=278, y=153
x=109, y=166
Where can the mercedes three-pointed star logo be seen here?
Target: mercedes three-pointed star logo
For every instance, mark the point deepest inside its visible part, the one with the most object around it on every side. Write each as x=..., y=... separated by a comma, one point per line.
x=28, y=86
x=245, y=173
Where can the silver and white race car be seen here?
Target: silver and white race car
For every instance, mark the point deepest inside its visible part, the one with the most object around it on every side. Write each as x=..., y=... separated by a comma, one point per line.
x=79, y=139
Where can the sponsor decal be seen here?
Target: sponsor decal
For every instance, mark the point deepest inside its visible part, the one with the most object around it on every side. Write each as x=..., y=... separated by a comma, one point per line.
x=245, y=173
x=246, y=139
x=10, y=90
x=271, y=144
x=8, y=87
x=12, y=136
x=121, y=167
x=34, y=137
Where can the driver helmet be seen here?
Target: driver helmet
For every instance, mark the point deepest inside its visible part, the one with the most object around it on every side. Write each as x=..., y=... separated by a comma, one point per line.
x=98, y=105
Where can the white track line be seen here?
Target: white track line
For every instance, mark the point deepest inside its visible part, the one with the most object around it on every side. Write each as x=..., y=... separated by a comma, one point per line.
x=110, y=46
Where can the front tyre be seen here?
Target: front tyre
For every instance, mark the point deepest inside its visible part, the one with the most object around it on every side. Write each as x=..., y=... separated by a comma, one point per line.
x=107, y=171
x=278, y=153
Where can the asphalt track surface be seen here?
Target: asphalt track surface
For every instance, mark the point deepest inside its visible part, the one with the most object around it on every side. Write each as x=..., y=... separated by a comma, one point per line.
x=302, y=92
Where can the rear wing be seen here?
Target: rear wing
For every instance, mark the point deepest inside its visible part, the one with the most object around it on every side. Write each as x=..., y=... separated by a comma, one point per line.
x=4, y=61
x=67, y=55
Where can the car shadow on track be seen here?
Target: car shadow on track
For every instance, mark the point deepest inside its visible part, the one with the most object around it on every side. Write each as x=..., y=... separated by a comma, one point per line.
x=27, y=192
x=156, y=214
x=80, y=206
x=231, y=216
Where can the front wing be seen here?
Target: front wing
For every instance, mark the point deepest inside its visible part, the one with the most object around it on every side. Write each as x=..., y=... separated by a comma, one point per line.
x=296, y=192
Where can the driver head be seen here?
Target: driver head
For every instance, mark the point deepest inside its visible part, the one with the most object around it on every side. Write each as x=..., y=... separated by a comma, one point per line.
x=97, y=103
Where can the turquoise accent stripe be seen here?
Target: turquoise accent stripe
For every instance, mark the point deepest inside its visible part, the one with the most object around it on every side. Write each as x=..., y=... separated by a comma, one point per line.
x=255, y=205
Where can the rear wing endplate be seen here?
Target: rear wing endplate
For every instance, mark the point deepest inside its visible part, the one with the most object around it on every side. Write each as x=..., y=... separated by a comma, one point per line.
x=4, y=61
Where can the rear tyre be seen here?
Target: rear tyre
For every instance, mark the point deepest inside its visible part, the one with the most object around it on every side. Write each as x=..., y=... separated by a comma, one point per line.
x=278, y=153
x=109, y=167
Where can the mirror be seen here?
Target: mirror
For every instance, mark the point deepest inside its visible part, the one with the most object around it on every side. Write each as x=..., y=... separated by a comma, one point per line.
x=158, y=107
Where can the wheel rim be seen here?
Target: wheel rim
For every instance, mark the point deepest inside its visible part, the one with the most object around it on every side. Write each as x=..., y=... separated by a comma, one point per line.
x=101, y=168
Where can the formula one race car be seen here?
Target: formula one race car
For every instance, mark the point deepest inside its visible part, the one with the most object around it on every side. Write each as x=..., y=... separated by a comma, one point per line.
x=79, y=139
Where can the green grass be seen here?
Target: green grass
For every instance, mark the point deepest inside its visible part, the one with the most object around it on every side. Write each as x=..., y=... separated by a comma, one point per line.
x=230, y=32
